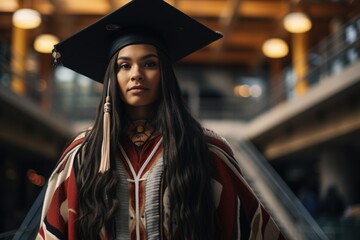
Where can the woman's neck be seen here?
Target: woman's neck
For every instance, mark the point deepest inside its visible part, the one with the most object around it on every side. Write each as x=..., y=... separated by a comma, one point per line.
x=140, y=131
x=140, y=113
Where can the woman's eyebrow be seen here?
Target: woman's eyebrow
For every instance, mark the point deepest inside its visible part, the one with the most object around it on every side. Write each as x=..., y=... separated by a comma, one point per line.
x=150, y=55
x=124, y=58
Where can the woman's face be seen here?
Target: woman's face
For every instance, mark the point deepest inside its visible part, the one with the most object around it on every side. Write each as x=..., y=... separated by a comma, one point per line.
x=138, y=75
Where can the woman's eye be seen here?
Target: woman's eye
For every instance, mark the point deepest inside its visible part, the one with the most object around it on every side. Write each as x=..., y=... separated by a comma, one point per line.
x=151, y=64
x=124, y=66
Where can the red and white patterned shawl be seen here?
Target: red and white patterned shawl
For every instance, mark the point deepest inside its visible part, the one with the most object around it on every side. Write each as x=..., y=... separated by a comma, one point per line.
x=240, y=213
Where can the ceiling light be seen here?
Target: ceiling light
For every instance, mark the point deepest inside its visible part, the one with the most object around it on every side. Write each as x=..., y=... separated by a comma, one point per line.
x=8, y=5
x=44, y=43
x=242, y=91
x=275, y=48
x=26, y=18
x=297, y=22
x=255, y=91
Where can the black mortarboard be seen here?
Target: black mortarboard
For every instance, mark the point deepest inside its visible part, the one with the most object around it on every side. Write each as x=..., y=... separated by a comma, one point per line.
x=139, y=21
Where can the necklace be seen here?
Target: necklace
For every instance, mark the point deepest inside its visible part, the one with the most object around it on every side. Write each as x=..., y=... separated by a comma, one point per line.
x=140, y=131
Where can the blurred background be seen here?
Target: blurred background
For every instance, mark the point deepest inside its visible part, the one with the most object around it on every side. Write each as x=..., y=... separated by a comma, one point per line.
x=283, y=86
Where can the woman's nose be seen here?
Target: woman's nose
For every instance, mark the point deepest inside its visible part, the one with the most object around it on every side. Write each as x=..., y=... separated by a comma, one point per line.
x=136, y=74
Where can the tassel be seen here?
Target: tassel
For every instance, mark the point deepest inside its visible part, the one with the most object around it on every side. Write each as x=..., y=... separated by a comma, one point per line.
x=105, y=148
x=56, y=55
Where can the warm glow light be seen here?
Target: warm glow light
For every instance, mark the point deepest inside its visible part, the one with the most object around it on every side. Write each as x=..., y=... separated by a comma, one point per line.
x=275, y=48
x=35, y=178
x=8, y=5
x=245, y=90
x=44, y=43
x=26, y=18
x=242, y=91
x=297, y=22
x=255, y=91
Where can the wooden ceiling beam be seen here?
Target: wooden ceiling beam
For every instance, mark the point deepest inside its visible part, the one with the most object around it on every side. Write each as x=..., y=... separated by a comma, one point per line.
x=201, y=8
x=227, y=20
x=260, y=8
x=329, y=10
x=248, y=33
x=205, y=8
x=263, y=9
x=225, y=57
x=248, y=8
x=71, y=7
x=246, y=27
x=46, y=7
x=6, y=21
x=115, y=4
x=253, y=40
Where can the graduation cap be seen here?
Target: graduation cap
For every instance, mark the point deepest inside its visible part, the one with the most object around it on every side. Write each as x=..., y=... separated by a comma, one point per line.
x=140, y=21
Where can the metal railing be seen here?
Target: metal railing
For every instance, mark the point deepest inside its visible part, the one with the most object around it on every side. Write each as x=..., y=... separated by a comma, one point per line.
x=331, y=56
x=291, y=216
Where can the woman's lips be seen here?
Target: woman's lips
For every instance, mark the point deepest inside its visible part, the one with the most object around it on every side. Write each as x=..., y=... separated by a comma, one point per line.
x=137, y=89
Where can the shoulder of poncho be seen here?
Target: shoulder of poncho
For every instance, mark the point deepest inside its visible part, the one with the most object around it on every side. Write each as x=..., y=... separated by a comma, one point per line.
x=217, y=140
x=71, y=151
x=78, y=140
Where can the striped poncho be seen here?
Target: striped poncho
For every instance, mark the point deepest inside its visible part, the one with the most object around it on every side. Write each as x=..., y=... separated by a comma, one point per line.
x=144, y=206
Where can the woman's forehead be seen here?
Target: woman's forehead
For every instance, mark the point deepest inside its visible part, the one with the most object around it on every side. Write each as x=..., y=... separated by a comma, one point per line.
x=138, y=49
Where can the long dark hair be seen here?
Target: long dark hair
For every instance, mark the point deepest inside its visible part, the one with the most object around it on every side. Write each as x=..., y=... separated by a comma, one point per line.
x=187, y=172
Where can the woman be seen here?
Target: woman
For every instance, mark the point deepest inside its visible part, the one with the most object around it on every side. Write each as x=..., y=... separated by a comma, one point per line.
x=147, y=169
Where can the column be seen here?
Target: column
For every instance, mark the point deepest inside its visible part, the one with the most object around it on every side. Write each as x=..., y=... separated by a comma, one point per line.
x=18, y=60
x=299, y=59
